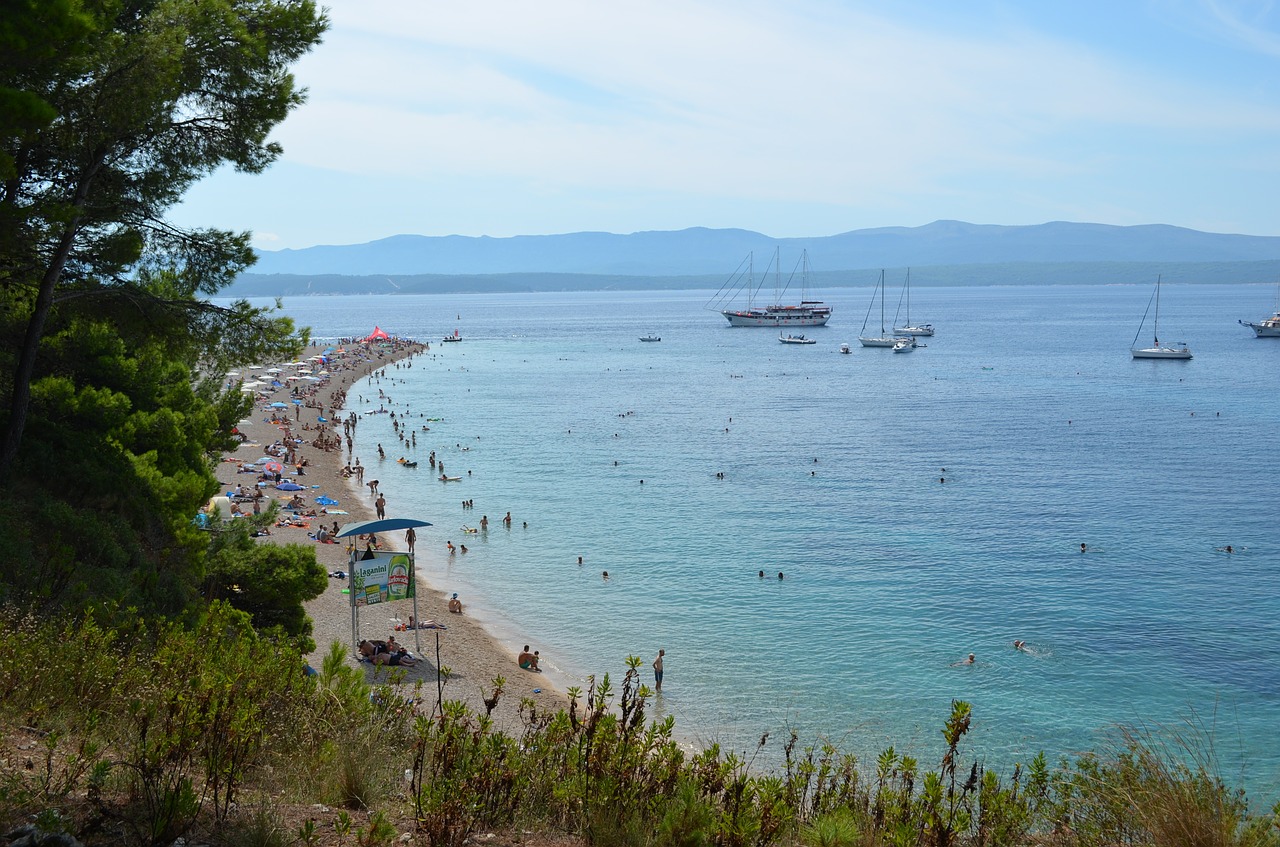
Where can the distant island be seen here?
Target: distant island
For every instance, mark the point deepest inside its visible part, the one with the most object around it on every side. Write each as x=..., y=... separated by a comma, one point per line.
x=940, y=253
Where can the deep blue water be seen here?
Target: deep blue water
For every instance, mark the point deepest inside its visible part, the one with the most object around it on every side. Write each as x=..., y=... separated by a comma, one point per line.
x=1050, y=436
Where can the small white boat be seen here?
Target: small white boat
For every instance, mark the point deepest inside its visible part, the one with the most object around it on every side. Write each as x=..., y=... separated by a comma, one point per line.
x=796, y=339
x=844, y=348
x=650, y=338
x=905, y=344
x=1180, y=350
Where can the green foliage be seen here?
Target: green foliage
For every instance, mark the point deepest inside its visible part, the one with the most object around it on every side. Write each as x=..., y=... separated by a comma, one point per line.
x=838, y=828
x=110, y=351
x=180, y=724
x=269, y=581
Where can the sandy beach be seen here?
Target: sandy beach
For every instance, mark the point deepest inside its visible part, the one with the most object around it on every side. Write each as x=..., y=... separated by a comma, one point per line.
x=474, y=658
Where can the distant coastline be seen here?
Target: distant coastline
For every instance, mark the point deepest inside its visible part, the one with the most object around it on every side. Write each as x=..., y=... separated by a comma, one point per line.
x=1261, y=272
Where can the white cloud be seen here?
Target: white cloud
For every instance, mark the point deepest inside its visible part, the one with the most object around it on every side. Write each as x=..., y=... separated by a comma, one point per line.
x=726, y=109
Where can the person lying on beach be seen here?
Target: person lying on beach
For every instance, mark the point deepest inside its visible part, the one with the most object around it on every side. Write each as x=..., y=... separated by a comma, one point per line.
x=386, y=653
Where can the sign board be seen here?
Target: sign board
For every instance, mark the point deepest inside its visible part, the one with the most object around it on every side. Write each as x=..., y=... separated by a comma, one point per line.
x=380, y=577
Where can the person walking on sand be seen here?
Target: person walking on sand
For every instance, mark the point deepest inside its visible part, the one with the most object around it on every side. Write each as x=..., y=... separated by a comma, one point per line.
x=657, y=670
x=409, y=537
x=381, y=506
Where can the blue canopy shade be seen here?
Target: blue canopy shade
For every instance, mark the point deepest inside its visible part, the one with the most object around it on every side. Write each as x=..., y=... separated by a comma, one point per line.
x=384, y=525
x=289, y=486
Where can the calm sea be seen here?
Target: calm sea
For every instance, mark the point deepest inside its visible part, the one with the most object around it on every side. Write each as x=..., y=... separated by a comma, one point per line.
x=1050, y=436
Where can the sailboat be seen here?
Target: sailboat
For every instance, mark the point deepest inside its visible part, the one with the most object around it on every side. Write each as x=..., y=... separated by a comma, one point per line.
x=1157, y=350
x=909, y=328
x=806, y=313
x=884, y=339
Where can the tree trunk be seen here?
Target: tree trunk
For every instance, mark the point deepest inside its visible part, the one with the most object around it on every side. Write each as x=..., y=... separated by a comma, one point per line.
x=20, y=402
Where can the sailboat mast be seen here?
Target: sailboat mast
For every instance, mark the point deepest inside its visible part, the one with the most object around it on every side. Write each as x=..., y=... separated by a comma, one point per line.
x=908, y=297
x=882, y=303
x=1155, y=324
x=777, y=275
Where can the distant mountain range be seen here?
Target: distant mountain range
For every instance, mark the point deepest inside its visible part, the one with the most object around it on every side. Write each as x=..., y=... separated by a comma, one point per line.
x=700, y=257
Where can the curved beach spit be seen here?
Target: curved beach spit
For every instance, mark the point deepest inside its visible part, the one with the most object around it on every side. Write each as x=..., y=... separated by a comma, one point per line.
x=473, y=657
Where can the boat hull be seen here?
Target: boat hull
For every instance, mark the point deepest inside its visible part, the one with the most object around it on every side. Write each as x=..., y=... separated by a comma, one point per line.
x=925, y=331
x=883, y=341
x=1270, y=328
x=759, y=317
x=1162, y=353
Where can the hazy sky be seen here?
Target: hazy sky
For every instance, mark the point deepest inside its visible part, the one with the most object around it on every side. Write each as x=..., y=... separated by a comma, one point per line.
x=787, y=117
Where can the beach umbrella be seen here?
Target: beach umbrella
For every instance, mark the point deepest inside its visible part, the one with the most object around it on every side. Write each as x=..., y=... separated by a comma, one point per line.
x=255, y=367
x=277, y=405
x=288, y=486
x=322, y=420
x=297, y=401
x=233, y=373
x=273, y=467
x=274, y=370
x=248, y=388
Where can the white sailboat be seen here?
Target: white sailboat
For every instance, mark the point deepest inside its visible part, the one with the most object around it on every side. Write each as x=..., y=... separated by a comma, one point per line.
x=909, y=328
x=884, y=339
x=1157, y=350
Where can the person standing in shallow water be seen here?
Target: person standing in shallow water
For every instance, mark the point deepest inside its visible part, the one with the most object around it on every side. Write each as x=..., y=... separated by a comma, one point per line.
x=657, y=670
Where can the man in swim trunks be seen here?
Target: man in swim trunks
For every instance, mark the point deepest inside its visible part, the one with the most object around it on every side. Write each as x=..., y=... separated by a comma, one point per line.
x=527, y=660
x=657, y=670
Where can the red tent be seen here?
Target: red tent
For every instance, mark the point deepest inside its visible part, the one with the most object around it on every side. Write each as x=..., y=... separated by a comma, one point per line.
x=377, y=334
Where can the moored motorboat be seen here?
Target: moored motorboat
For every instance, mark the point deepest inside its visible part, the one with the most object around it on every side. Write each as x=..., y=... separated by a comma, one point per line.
x=905, y=344
x=796, y=339
x=1265, y=328
x=454, y=337
x=650, y=338
x=844, y=348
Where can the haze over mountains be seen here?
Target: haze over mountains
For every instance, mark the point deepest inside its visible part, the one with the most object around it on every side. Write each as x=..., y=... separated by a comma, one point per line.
x=958, y=253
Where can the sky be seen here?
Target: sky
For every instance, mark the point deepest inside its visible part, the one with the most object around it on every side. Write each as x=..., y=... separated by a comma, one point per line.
x=787, y=117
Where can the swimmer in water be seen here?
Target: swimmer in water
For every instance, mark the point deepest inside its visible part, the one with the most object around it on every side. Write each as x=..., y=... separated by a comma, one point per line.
x=1020, y=645
x=604, y=575
x=966, y=661
x=1083, y=547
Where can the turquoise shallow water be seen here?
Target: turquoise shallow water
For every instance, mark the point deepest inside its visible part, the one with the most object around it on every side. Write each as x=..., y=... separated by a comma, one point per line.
x=1050, y=435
